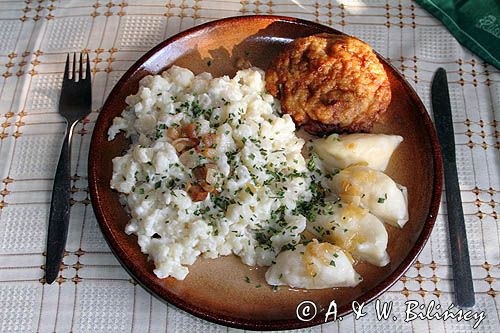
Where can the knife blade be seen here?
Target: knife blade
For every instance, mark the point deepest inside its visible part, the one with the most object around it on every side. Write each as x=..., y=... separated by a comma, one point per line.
x=462, y=277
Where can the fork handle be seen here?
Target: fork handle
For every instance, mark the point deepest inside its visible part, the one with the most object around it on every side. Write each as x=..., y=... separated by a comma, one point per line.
x=59, y=210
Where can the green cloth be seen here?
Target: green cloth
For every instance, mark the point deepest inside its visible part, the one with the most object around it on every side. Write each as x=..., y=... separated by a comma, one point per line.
x=474, y=23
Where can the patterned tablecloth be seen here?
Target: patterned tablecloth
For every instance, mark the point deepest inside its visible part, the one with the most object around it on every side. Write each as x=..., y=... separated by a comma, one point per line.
x=94, y=293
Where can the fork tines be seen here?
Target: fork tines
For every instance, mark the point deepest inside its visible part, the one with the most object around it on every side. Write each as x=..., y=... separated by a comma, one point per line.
x=73, y=77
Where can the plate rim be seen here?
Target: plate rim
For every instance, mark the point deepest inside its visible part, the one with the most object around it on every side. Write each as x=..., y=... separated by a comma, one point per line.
x=257, y=324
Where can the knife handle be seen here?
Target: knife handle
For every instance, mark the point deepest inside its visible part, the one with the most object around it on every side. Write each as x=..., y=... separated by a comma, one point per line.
x=462, y=276
x=59, y=211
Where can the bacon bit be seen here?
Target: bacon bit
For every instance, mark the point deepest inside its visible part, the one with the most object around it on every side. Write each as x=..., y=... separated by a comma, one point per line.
x=183, y=144
x=209, y=153
x=211, y=166
x=188, y=158
x=207, y=187
x=189, y=131
x=209, y=139
x=200, y=172
x=211, y=177
x=209, y=143
x=206, y=173
x=196, y=192
x=173, y=133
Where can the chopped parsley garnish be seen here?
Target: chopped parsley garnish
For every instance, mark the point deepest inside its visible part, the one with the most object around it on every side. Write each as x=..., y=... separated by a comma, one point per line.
x=222, y=202
x=264, y=240
x=196, y=109
x=382, y=200
x=311, y=164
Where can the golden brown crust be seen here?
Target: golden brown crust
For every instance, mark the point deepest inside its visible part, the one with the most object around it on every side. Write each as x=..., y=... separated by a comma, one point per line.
x=330, y=83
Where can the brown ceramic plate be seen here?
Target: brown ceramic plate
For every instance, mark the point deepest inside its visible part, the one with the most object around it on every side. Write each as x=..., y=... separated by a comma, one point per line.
x=216, y=289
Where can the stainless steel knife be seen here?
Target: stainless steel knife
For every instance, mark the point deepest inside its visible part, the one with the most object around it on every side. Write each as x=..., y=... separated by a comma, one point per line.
x=462, y=277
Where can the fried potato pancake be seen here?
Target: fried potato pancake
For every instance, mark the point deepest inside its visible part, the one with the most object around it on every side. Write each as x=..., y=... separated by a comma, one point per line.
x=330, y=83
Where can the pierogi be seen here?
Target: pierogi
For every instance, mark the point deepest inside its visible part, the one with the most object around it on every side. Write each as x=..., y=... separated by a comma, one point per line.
x=353, y=229
x=313, y=266
x=375, y=191
x=341, y=151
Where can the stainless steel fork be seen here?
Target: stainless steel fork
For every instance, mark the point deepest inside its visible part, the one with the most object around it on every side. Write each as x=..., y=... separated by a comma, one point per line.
x=74, y=105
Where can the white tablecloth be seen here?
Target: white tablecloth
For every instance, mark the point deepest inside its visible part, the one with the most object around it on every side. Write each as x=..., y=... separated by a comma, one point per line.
x=94, y=293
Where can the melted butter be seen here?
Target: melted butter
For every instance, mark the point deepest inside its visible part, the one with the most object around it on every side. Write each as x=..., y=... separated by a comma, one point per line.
x=363, y=175
x=351, y=177
x=351, y=146
x=347, y=238
x=353, y=212
x=348, y=241
x=322, y=251
x=348, y=191
x=350, y=257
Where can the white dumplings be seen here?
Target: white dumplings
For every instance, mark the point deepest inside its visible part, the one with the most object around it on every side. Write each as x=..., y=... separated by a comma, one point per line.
x=342, y=151
x=315, y=266
x=256, y=170
x=373, y=190
x=352, y=228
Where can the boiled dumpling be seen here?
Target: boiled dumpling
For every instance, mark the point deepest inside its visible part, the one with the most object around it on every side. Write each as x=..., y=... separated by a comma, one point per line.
x=373, y=190
x=342, y=151
x=352, y=228
x=313, y=266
